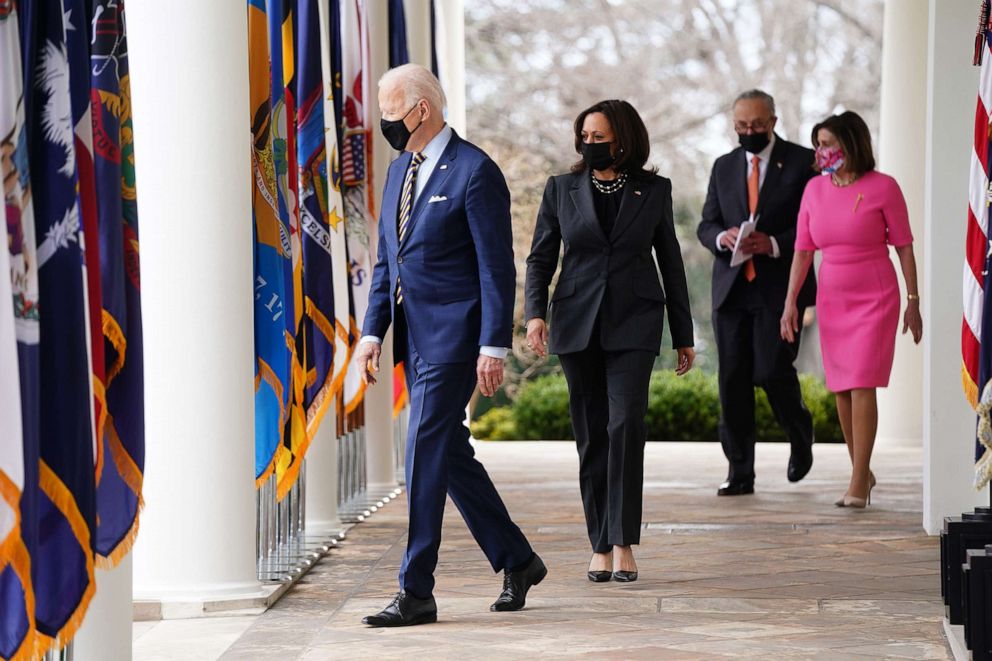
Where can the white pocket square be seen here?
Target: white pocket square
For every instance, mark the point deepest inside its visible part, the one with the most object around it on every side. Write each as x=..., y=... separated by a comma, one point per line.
x=437, y=198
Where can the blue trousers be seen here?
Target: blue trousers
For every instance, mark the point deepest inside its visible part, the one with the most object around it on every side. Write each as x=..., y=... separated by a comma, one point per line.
x=440, y=461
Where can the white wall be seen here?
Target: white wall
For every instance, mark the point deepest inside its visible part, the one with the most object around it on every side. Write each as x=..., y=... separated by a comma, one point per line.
x=949, y=428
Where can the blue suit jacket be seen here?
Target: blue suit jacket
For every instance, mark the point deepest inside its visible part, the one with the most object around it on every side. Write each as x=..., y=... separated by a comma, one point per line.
x=456, y=264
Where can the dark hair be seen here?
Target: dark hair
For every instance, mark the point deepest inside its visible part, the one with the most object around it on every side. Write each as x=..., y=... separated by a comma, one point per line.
x=633, y=145
x=854, y=138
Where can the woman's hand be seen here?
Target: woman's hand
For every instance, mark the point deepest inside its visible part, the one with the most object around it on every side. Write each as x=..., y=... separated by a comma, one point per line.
x=789, y=324
x=537, y=336
x=687, y=355
x=912, y=321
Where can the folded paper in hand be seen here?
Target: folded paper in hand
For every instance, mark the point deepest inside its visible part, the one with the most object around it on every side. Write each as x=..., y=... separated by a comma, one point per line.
x=747, y=227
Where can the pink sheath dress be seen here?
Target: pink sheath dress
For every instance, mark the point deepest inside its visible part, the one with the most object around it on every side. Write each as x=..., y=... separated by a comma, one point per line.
x=857, y=299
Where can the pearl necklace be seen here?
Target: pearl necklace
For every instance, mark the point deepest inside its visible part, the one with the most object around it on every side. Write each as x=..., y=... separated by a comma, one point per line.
x=839, y=184
x=612, y=187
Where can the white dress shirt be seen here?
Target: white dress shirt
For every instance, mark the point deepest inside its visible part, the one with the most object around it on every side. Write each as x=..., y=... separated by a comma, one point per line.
x=763, y=159
x=432, y=155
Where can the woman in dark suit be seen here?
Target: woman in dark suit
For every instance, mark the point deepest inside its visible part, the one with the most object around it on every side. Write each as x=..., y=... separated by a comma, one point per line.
x=607, y=314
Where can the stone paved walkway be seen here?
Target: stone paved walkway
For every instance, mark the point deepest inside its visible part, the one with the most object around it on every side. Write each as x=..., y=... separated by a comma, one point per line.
x=782, y=574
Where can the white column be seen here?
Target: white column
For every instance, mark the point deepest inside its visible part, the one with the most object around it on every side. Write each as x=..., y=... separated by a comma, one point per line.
x=418, y=31
x=450, y=19
x=106, y=632
x=322, y=480
x=949, y=428
x=189, y=61
x=380, y=462
x=901, y=152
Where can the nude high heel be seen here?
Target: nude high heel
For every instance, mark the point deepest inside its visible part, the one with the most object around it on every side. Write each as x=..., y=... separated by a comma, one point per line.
x=852, y=501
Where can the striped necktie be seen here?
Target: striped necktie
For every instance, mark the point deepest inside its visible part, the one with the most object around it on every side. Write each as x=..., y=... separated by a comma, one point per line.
x=406, y=207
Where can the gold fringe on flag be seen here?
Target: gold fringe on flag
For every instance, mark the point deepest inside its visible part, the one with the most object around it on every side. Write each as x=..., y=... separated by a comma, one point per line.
x=970, y=387
x=65, y=502
x=266, y=374
x=133, y=478
x=100, y=393
x=13, y=550
x=112, y=331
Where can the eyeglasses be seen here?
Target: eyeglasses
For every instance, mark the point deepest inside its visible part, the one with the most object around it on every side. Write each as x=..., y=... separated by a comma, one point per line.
x=757, y=126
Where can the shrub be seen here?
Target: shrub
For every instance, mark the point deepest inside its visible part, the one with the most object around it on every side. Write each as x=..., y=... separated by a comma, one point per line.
x=679, y=409
x=496, y=424
x=541, y=410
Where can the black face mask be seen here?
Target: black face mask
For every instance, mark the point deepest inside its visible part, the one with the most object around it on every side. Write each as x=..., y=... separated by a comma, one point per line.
x=754, y=142
x=597, y=155
x=396, y=132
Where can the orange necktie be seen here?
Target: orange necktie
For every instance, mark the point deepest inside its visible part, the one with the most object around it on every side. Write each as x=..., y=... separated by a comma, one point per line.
x=752, y=204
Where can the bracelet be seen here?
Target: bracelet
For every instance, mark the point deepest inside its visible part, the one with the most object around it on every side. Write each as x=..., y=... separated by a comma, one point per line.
x=913, y=297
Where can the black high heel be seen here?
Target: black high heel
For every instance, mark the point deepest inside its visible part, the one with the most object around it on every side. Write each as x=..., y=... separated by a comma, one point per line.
x=621, y=576
x=599, y=576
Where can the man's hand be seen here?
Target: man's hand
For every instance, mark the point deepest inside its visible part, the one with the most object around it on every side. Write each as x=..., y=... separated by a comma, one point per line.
x=490, y=373
x=729, y=238
x=537, y=336
x=758, y=243
x=367, y=360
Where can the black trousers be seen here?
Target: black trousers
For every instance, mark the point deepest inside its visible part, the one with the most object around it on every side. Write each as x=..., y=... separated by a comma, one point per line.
x=752, y=353
x=608, y=399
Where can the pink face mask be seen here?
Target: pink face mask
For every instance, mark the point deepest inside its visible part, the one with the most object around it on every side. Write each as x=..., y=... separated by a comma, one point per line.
x=829, y=159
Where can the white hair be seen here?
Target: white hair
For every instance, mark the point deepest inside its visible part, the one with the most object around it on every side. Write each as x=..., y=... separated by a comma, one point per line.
x=417, y=83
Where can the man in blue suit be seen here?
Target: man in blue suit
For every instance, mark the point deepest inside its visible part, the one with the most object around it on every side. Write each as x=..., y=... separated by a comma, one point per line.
x=445, y=278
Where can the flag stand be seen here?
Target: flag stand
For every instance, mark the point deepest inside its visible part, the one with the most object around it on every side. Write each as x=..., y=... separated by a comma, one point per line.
x=965, y=561
x=978, y=603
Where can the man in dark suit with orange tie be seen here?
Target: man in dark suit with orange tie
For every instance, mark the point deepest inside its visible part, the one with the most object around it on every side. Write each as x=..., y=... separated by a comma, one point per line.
x=764, y=178
x=446, y=280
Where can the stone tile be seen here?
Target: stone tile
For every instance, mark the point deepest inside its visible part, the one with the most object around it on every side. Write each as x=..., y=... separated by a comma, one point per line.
x=783, y=574
x=738, y=605
x=201, y=639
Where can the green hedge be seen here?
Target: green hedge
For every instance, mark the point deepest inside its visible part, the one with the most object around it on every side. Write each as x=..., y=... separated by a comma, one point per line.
x=679, y=409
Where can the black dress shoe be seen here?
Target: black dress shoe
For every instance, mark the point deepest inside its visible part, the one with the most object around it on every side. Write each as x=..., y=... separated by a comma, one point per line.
x=517, y=583
x=800, y=461
x=405, y=610
x=735, y=488
x=599, y=576
x=625, y=576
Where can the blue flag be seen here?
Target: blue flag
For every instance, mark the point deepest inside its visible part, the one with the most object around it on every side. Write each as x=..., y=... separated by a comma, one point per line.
x=62, y=562
x=434, y=67
x=272, y=251
x=120, y=474
x=398, y=51
x=321, y=210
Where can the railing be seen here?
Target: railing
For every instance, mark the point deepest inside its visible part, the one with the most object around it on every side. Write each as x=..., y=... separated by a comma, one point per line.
x=283, y=550
x=64, y=654
x=401, y=424
x=352, y=483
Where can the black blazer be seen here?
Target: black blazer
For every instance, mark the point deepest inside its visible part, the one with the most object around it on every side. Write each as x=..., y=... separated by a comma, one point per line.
x=615, y=275
x=790, y=167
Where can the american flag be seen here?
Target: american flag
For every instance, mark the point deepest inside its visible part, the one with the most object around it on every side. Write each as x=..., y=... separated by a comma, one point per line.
x=977, y=324
x=976, y=243
x=353, y=158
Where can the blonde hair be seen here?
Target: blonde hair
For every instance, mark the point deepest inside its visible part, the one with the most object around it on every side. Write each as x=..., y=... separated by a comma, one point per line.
x=417, y=82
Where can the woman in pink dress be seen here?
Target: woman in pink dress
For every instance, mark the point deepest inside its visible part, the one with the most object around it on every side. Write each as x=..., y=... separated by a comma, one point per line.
x=853, y=214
